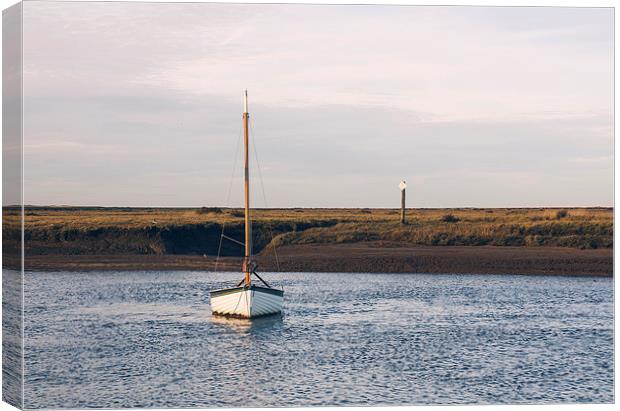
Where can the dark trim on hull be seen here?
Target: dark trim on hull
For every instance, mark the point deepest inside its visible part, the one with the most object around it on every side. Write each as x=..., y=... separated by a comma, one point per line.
x=225, y=291
x=266, y=290
x=274, y=291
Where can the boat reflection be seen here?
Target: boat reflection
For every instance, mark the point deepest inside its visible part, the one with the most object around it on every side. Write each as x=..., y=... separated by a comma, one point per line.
x=254, y=326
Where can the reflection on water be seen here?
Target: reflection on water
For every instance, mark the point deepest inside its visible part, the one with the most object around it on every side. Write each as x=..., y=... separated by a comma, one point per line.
x=136, y=339
x=256, y=326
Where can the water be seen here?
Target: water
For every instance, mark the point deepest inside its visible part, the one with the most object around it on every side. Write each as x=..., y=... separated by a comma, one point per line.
x=142, y=339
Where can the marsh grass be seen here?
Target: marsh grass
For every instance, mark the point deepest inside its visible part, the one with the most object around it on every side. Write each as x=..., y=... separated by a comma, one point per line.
x=159, y=230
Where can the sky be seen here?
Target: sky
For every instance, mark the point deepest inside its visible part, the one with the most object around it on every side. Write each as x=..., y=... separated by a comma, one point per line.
x=140, y=104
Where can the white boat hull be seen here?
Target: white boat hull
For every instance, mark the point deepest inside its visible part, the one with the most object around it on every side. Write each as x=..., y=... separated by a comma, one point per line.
x=247, y=302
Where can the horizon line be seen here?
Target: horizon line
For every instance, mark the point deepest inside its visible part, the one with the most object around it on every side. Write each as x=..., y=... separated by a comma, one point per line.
x=307, y=207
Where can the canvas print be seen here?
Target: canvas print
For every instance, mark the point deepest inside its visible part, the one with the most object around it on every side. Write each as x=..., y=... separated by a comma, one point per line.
x=213, y=205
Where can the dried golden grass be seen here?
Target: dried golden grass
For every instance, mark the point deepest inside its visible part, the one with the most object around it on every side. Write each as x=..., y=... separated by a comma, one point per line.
x=580, y=227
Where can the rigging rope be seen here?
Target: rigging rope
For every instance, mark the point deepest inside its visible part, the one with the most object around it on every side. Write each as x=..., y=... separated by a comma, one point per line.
x=232, y=176
x=260, y=176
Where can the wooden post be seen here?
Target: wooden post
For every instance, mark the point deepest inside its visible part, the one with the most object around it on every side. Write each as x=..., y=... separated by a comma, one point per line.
x=402, y=186
x=402, y=207
x=248, y=224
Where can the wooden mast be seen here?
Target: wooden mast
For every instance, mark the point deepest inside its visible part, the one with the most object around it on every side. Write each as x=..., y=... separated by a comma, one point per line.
x=248, y=225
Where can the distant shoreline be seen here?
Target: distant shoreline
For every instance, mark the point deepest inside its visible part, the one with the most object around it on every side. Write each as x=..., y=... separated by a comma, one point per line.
x=360, y=258
x=571, y=241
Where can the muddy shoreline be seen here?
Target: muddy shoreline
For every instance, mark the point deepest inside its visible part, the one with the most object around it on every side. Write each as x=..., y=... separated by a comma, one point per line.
x=358, y=257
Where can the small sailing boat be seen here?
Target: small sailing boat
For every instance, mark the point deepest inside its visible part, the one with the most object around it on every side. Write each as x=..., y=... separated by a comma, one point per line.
x=247, y=300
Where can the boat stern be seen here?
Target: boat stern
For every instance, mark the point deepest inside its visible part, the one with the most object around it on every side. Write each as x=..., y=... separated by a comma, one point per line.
x=247, y=302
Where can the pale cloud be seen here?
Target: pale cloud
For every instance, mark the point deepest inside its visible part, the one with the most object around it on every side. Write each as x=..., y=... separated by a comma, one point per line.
x=455, y=70
x=601, y=161
x=475, y=106
x=54, y=146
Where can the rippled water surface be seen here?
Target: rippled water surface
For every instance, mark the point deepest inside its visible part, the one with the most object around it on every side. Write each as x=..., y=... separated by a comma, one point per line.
x=141, y=339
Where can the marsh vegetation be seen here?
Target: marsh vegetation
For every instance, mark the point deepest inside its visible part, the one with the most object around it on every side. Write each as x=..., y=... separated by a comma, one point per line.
x=92, y=230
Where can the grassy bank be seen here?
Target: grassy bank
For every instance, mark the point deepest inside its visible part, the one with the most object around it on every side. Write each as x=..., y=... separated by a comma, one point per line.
x=576, y=228
x=159, y=231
